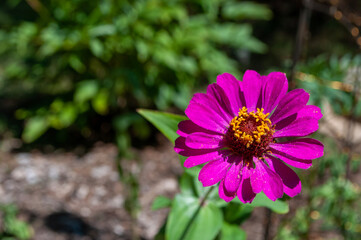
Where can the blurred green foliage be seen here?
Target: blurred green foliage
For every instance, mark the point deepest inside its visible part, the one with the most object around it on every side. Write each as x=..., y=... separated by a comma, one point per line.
x=13, y=228
x=335, y=79
x=331, y=196
x=62, y=62
x=333, y=204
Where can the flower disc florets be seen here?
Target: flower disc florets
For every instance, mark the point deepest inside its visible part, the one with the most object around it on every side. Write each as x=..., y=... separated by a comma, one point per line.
x=249, y=134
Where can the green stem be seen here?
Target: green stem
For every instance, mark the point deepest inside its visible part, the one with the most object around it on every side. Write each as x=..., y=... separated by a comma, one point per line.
x=201, y=203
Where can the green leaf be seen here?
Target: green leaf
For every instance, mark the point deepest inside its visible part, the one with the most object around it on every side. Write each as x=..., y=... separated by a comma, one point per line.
x=207, y=219
x=67, y=115
x=96, y=46
x=13, y=227
x=232, y=232
x=207, y=224
x=236, y=35
x=190, y=185
x=86, y=90
x=100, y=102
x=191, y=170
x=76, y=63
x=249, y=10
x=167, y=123
x=102, y=30
x=278, y=206
x=161, y=202
x=34, y=128
x=237, y=213
x=183, y=209
x=186, y=184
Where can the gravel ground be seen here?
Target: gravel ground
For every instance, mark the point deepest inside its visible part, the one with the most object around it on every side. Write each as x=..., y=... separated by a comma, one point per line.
x=65, y=196
x=50, y=189
x=84, y=192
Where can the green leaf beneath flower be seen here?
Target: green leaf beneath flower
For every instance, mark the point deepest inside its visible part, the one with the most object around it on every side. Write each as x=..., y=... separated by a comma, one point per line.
x=232, y=232
x=237, y=213
x=278, y=206
x=207, y=219
x=167, y=123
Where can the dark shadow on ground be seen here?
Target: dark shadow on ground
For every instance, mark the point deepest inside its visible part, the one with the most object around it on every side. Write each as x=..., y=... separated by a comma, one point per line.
x=71, y=224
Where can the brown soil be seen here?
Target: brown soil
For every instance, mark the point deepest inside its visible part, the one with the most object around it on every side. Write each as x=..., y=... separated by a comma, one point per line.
x=64, y=196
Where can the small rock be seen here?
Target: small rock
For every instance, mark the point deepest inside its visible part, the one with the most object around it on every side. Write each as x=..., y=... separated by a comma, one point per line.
x=23, y=158
x=100, y=191
x=118, y=229
x=116, y=202
x=101, y=171
x=82, y=192
x=63, y=190
x=85, y=212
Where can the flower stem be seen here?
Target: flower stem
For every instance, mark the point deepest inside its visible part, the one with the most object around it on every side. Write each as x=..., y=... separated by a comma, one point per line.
x=201, y=203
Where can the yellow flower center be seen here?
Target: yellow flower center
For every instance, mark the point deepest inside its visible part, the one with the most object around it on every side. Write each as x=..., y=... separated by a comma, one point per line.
x=250, y=133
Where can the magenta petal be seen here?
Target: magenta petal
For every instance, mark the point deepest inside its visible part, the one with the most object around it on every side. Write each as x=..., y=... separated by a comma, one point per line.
x=264, y=179
x=291, y=182
x=290, y=104
x=251, y=87
x=209, y=102
x=276, y=87
x=180, y=146
x=257, y=180
x=206, y=118
x=213, y=172
x=246, y=171
x=310, y=111
x=226, y=196
x=233, y=178
x=182, y=149
x=201, y=140
x=207, y=157
x=245, y=192
x=187, y=127
x=294, y=162
x=232, y=89
x=299, y=128
x=304, y=148
x=221, y=99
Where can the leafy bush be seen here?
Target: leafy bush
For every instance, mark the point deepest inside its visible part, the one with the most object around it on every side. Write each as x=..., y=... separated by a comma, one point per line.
x=62, y=62
x=336, y=79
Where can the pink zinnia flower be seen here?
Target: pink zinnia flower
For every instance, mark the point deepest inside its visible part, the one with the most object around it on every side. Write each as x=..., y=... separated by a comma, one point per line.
x=237, y=127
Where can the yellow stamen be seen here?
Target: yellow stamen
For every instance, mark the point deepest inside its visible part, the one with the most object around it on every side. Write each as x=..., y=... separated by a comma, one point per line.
x=262, y=128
